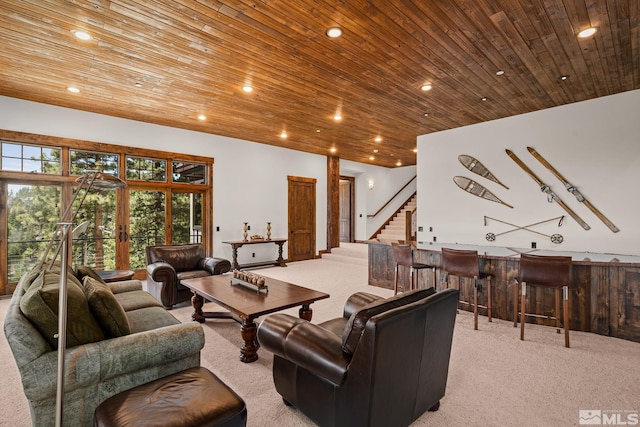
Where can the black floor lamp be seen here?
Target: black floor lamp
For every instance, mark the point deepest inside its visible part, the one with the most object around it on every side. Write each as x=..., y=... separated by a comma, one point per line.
x=91, y=179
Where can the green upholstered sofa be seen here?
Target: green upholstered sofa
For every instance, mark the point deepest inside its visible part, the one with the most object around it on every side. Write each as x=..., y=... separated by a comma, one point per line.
x=148, y=343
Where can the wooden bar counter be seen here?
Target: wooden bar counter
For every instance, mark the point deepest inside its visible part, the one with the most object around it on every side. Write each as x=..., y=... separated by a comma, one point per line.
x=604, y=295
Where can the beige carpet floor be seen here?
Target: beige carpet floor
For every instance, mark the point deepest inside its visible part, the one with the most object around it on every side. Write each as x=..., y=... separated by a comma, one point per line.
x=494, y=378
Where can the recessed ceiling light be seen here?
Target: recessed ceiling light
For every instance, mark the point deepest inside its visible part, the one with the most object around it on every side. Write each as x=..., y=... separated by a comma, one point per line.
x=484, y=98
x=415, y=150
x=73, y=89
x=499, y=72
x=426, y=114
x=333, y=149
x=378, y=138
x=398, y=163
x=375, y=151
x=371, y=158
x=283, y=134
x=563, y=78
x=247, y=89
x=138, y=84
x=81, y=35
x=587, y=33
x=202, y=117
x=337, y=117
x=317, y=130
x=426, y=87
x=334, y=32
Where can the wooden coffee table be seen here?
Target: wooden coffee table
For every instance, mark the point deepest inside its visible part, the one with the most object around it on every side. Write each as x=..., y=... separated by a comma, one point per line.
x=245, y=304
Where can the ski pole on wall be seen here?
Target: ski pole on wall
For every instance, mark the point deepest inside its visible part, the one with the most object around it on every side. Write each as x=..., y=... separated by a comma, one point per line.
x=551, y=196
x=555, y=238
x=573, y=190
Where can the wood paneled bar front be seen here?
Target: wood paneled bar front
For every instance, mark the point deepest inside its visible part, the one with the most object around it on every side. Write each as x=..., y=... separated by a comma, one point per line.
x=604, y=295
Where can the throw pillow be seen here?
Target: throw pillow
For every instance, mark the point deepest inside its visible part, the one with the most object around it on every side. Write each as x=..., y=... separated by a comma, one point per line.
x=106, y=308
x=27, y=279
x=40, y=305
x=355, y=326
x=55, y=268
x=84, y=270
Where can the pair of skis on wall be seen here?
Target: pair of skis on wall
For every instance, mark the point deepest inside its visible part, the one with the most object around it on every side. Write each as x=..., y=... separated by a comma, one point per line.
x=552, y=197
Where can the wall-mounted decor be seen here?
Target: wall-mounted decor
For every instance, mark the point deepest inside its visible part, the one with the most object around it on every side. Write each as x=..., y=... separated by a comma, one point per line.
x=470, y=186
x=475, y=166
x=555, y=238
x=573, y=190
x=551, y=196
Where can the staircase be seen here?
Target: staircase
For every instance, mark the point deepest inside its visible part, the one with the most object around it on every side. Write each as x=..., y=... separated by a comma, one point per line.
x=350, y=253
x=396, y=229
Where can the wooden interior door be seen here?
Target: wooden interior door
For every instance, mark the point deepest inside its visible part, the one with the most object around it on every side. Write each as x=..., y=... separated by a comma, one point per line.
x=346, y=209
x=302, y=218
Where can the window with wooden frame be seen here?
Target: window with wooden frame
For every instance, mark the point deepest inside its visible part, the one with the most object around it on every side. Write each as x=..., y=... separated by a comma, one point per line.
x=168, y=199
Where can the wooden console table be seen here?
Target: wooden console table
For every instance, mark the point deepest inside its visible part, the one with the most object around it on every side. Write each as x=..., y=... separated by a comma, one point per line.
x=235, y=244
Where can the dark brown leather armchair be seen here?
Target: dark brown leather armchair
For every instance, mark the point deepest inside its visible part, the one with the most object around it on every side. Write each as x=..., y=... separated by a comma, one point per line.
x=384, y=363
x=167, y=265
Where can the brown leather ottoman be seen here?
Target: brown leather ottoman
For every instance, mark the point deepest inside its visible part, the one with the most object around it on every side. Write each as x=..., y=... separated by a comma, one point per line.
x=193, y=397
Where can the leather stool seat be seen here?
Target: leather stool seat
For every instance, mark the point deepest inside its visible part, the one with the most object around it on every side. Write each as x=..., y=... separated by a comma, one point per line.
x=193, y=397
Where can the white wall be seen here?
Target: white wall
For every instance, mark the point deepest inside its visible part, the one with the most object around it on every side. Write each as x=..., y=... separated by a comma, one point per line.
x=386, y=183
x=594, y=144
x=250, y=179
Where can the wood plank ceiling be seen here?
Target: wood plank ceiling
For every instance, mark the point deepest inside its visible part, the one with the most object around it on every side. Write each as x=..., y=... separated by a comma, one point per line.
x=168, y=61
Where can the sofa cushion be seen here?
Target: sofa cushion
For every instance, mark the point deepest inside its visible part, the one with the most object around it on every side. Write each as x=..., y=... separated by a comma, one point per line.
x=106, y=308
x=40, y=305
x=149, y=318
x=135, y=300
x=355, y=326
x=84, y=270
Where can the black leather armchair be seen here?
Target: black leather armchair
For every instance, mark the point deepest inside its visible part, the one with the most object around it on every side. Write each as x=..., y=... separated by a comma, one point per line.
x=167, y=265
x=383, y=363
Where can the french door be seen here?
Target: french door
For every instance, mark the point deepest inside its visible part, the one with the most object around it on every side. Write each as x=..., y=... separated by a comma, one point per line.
x=158, y=218
x=31, y=222
x=167, y=200
x=110, y=231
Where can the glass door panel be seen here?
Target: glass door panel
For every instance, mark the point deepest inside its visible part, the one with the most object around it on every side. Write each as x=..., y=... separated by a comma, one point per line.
x=186, y=218
x=146, y=224
x=33, y=215
x=94, y=230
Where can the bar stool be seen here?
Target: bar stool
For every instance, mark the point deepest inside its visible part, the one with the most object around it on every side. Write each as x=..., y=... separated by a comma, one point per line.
x=464, y=263
x=545, y=271
x=403, y=256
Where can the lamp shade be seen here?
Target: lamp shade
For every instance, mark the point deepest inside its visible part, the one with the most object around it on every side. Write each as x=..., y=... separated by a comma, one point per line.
x=101, y=181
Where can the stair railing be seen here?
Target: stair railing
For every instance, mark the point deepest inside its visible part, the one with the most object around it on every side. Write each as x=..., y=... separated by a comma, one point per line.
x=379, y=230
x=393, y=197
